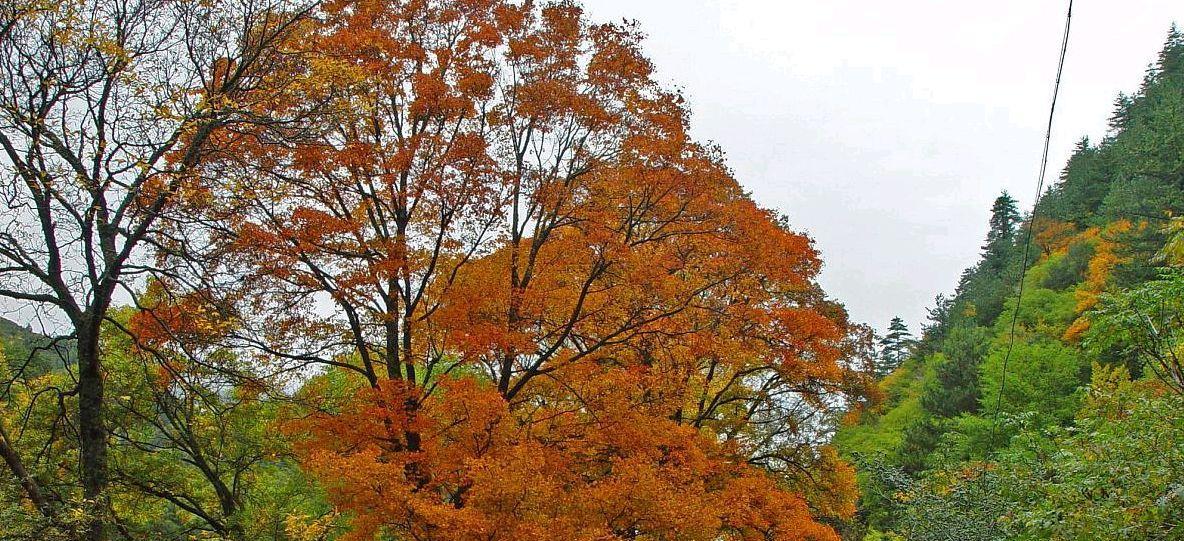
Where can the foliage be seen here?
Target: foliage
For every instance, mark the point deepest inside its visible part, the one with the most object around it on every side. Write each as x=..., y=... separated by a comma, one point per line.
x=466, y=254
x=30, y=354
x=962, y=504
x=955, y=388
x=1146, y=321
x=192, y=454
x=457, y=270
x=1005, y=217
x=108, y=108
x=564, y=316
x=21, y=518
x=895, y=347
x=1062, y=460
x=1070, y=268
x=581, y=476
x=1043, y=376
x=1113, y=475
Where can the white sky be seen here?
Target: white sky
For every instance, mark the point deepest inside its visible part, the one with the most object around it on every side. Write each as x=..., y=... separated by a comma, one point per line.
x=886, y=129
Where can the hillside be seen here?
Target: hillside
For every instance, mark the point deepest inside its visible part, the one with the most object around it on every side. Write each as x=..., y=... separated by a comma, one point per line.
x=1061, y=420
x=27, y=351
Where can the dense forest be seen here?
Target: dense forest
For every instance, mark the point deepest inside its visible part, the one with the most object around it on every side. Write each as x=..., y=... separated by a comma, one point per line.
x=455, y=270
x=1051, y=408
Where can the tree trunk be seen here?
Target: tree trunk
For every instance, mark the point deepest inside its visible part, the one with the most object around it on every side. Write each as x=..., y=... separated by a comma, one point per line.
x=91, y=428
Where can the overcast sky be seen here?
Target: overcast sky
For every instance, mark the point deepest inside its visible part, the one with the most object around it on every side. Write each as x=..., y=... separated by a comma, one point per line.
x=886, y=129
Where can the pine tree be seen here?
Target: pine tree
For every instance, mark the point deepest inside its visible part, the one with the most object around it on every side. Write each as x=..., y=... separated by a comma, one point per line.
x=1171, y=57
x=955, y=389
x=895, y=347
x=1121, y=116
x=1005, y=217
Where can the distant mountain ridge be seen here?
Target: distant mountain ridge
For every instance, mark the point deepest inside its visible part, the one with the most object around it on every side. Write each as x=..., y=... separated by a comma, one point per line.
x=29, y=351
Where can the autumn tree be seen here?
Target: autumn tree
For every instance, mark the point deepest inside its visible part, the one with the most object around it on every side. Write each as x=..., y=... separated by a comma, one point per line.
x=105, y=109
x=565, y=319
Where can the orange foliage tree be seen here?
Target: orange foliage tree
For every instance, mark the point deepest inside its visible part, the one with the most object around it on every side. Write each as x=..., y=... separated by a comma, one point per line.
x=566, y=318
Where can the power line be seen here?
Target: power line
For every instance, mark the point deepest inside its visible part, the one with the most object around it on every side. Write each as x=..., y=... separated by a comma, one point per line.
x=1031, y=221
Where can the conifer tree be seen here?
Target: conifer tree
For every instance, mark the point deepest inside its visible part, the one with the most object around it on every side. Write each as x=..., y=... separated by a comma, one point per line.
x=1171, y=57
x=895, y=347
x=1005, y=217
x=955, y=389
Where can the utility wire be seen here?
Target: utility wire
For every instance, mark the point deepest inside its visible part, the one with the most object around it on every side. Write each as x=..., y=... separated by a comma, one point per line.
x=1031, y=220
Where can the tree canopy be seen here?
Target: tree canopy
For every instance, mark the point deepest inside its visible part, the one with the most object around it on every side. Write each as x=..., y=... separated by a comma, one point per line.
x=459, y=266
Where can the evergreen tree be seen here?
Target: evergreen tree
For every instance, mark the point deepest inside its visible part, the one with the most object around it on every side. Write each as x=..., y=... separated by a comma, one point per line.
x=1005, y=217
x=982, y=288
x=894, y=347
x=1121, y=116
x=1086, y=178
x=918, y=441
x=938, y=317
x=956, y=387
x=1171, y=57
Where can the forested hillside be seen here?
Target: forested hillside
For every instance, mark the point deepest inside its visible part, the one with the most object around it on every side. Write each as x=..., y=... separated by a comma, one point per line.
x=1050, y=409
x=28, y=352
